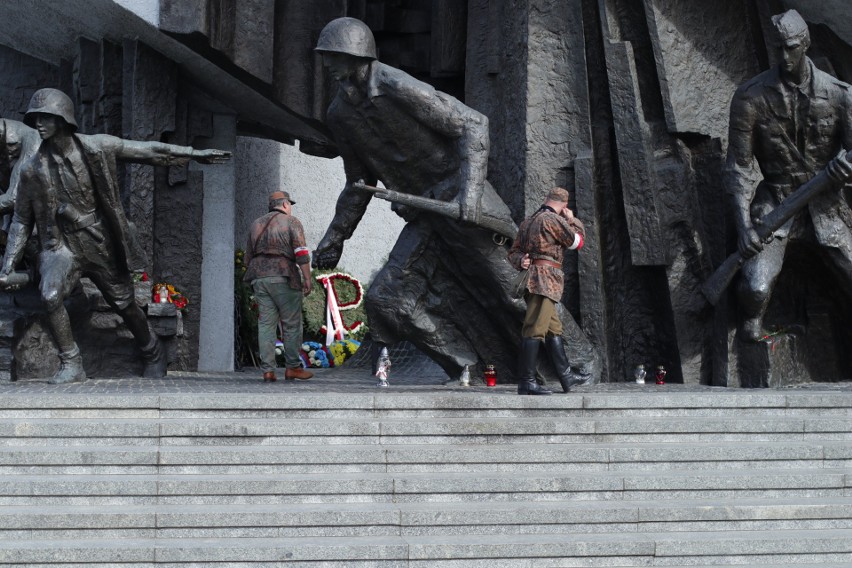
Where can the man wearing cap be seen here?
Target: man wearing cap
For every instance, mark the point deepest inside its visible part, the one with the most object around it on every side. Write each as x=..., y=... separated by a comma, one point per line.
x=69, y=192
x=794, y=120
x=540, y=248
x=279, y=269
x=446, y=285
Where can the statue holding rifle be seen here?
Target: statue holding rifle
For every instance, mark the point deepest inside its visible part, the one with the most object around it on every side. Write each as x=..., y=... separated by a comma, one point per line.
x=795, y=121
x=446, y=286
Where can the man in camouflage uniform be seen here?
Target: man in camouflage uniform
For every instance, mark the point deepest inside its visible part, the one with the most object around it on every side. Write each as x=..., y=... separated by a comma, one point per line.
x=794, y=120
x=540, y=248
x=279, y=269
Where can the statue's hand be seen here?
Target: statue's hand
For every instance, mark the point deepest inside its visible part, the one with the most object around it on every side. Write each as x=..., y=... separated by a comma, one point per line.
x=327, y=254
x=5, y=283
x=749, y=243
x=471, y=205
x=212, y=156
x=840, y=169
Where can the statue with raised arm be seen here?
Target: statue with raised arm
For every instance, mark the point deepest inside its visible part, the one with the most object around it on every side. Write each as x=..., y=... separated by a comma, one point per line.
x=69, y=192
x=446, y=286
x=794, y=120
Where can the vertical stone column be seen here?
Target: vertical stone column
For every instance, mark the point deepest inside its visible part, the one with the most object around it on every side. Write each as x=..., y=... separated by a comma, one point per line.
x=216, y=336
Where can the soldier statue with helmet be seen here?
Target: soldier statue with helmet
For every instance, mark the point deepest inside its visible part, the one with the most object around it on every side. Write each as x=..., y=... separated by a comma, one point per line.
x=447, y=284
x=69, y=192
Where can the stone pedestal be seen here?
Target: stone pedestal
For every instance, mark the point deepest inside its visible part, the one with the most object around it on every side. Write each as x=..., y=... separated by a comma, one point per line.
x=109, y=350
x=785, y=359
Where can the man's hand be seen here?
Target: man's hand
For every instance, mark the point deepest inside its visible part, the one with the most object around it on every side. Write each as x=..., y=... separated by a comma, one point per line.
x=567, y=214
x=749, y=243
x=839, y=169
x=327, y=254
x=307, y=285
x=212, y=156
x=526, y=261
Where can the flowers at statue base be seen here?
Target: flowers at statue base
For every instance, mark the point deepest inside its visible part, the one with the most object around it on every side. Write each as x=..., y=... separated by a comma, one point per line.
x=317, y=355
x=164, y=292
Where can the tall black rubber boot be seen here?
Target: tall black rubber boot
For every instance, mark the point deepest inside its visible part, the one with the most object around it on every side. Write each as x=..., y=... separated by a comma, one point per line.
x=555, y=348
x=526, y=364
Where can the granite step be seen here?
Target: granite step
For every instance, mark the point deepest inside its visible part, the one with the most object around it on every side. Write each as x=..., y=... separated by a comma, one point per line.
x=387, y=431
x=420, y=519
x=468, y=551
x=15, y=460
x=642, y=402
x=494, y=486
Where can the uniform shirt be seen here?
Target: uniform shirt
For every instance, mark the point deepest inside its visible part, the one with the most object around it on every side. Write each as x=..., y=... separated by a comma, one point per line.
x=428, y=142
x=546, y=235
x=276, y=245
x=793, y=131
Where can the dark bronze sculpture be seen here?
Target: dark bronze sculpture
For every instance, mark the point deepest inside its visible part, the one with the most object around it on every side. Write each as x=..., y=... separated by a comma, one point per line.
x=69, y=192
x=794, y=120
x=446, y=285
x=17, y=143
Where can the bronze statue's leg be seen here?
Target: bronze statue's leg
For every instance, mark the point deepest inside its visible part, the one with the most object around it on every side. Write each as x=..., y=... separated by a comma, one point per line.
x=406, y=302
x=759, y=275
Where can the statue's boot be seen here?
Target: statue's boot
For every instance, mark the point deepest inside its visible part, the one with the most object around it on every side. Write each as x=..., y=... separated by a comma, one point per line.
x=555, y=348
x=70, y=369
x=154, y=355
x=752, y=329
x=529, y=357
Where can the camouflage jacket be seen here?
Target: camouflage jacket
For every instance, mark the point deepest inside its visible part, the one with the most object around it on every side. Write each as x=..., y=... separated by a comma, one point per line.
x=275, y=247
x=546, y=235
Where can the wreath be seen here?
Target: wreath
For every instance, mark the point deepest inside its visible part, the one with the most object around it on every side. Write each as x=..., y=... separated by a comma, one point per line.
x=334, y=279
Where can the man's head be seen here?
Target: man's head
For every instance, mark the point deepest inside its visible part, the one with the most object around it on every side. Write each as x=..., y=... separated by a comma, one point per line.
x=50, y=112
x=557, y=199
x=794, y=39
x=346, y=44
x=280, y=201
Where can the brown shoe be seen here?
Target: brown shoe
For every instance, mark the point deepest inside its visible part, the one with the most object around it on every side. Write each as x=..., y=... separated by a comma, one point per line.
x=297, y=373
x=269, y=377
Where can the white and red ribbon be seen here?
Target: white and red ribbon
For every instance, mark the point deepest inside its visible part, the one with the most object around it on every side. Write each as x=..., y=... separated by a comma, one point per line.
x=335, y=330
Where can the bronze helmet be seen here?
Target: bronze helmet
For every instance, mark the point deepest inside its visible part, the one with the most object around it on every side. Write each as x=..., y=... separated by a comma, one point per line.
x=349, y=36
x=51, y=101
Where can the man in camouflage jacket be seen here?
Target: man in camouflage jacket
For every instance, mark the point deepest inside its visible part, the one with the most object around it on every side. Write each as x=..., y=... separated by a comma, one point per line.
x=279, y=269
x=540, y=248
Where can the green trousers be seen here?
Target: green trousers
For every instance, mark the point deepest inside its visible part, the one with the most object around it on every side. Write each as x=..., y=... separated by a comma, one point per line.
x=541, y=319
x=276, y=301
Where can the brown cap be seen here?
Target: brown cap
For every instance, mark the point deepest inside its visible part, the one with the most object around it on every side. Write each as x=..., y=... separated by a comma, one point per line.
x=558, y=194
x=277, y=195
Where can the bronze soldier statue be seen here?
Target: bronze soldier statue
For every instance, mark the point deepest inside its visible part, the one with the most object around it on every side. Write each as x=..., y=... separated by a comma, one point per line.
x=69, y=192
x=794, y=120
x=446, y=286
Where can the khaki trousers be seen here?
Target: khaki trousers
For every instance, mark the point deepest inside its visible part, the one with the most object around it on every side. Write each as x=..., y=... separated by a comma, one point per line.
x=541, y=318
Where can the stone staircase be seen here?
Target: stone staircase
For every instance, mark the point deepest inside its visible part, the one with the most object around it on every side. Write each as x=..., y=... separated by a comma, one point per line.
x=638, y=477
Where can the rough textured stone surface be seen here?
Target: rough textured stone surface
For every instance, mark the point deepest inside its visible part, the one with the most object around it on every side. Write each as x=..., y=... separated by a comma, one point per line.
x=698, y=67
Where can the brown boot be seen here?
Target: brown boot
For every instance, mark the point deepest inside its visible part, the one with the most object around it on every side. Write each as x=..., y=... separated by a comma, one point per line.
x=297, y=373
x=269, y=377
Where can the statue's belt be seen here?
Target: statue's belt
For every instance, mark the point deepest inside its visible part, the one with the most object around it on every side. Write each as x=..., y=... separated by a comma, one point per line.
x=791, y=179
x=81, y=221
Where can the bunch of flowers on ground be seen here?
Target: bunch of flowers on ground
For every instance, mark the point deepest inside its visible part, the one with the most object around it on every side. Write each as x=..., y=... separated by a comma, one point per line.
x=317, y=355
